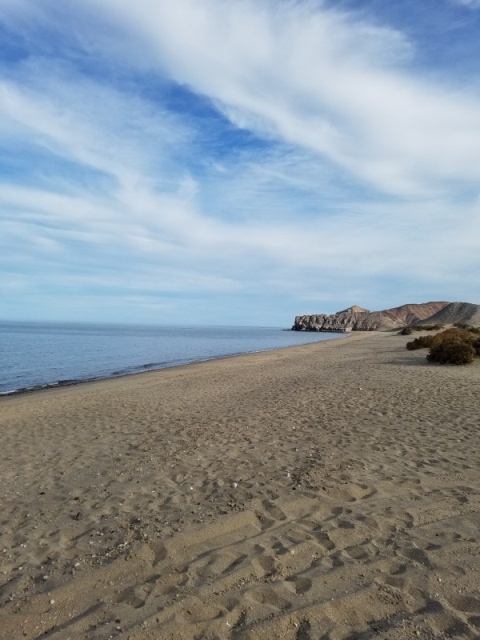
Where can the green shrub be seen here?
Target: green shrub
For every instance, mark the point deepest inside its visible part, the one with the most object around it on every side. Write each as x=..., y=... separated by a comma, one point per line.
x=406, y=331
x=475, y=330
x=453, y=351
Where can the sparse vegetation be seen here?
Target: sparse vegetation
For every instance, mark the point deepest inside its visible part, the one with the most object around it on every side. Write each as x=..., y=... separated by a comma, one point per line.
x=452, y=346
x=431, y=327
x=407, y=331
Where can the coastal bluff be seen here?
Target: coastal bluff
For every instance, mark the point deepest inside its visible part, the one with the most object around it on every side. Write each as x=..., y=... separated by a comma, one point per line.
x=358, y=319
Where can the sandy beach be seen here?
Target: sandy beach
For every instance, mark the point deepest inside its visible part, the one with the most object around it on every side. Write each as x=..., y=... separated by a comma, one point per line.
x=329, y=491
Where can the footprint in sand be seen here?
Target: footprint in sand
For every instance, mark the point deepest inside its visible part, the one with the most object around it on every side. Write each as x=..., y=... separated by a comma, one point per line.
x=273, y=511
x=301, y=584
x=135, y=596
x=324, y=539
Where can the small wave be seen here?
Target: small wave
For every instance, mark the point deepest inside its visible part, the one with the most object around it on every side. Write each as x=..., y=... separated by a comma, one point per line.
x=140, y=367
x=51, y=385
x=148, y=365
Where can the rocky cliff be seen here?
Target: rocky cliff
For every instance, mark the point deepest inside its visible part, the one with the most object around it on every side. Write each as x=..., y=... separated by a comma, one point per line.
x=358, y=319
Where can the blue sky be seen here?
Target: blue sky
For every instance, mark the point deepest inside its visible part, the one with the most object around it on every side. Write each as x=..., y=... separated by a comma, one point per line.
x=237, y=161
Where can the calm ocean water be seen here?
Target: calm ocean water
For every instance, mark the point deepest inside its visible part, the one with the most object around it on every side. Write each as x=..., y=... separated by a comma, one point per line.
x=35, y=355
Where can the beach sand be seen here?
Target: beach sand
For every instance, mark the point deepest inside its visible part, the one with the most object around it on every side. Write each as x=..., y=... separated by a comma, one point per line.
x=329, y=491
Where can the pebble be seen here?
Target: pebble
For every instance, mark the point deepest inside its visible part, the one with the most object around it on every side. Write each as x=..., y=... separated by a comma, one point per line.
x=52, y=601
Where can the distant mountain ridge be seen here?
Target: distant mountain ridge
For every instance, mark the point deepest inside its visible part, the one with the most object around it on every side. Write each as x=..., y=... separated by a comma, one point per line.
x=464, y=312
x=356, y=318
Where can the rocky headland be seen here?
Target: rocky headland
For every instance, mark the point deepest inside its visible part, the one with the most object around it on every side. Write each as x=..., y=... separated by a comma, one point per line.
x=358, y=319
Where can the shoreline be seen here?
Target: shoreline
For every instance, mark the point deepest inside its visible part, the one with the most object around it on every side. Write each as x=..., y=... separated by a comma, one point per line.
x=313, y=491
x=60, y=384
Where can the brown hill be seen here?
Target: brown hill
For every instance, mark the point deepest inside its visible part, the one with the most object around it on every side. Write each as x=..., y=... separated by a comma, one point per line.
x=464, y=312
x=412, y=313
x=354, y=309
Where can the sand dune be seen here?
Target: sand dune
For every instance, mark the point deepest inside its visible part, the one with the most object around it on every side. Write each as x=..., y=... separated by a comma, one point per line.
x=326, y=491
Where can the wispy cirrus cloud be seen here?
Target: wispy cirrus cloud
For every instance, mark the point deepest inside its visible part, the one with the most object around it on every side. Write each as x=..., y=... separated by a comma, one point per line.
x=318, y=78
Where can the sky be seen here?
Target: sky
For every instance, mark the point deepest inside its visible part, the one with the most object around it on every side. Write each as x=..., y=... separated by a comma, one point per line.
x=237, y=161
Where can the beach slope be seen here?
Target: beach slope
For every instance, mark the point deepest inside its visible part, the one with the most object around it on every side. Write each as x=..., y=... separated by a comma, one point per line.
x=325, y=491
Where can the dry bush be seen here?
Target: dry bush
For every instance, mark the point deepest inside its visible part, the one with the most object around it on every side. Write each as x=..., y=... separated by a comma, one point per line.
x=424, y=342
x=452, y=346
x=452, y=352
x=476, y=346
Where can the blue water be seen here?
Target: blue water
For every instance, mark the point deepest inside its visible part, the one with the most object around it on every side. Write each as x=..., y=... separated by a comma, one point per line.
x=35, y=355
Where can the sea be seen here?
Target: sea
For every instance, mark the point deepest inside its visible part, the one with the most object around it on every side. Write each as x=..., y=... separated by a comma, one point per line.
x=41, y=355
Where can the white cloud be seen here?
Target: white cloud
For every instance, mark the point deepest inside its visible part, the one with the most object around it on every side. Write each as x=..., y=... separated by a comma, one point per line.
x=471, y=4
x=326, y=90
x=317, y=78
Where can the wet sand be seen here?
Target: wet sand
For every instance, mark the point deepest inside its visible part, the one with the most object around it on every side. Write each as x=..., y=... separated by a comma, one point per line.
x=325, y=491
